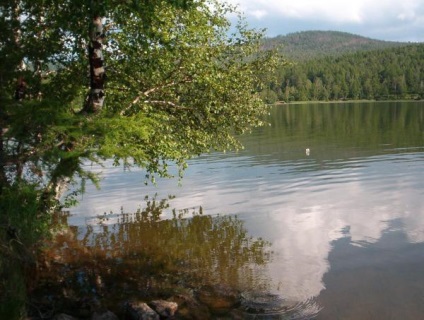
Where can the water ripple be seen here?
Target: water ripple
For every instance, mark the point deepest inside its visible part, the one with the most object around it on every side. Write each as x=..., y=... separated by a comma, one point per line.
x=267, y=306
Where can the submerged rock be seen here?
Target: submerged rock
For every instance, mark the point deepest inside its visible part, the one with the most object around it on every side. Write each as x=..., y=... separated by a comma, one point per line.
x=164, y=308
x=219, y=299
x=190, y=308
x=104, y=315
x=63, y=316
x=141, y=311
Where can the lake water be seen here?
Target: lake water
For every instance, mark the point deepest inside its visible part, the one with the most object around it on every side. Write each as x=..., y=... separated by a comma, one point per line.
x=322, y=209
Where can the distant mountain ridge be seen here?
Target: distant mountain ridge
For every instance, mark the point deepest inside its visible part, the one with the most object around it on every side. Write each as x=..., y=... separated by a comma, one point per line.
x=306, y=45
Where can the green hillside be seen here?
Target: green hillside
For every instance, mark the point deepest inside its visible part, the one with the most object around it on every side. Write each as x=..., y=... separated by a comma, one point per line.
x=391, y=73
x=317, y=44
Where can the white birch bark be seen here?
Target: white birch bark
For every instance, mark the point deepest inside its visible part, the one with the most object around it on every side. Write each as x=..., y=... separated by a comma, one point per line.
x=97, y=71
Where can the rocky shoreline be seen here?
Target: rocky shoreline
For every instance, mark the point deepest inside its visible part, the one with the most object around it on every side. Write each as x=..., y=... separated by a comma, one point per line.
x=209, y=302
x=155, y=310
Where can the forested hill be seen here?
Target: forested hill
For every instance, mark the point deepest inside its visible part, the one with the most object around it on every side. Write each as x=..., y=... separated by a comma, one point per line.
x=393, y=73
x=307, y=45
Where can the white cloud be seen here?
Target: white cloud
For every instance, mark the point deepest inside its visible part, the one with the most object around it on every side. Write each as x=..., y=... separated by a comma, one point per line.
x=259, y=14
x=343, y=15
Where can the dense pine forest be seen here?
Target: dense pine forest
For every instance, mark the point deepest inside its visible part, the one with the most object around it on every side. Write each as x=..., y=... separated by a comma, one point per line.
x=348, y=68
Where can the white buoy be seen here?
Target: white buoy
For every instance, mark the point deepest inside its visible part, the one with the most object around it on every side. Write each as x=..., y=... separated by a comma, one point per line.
x=308, y=151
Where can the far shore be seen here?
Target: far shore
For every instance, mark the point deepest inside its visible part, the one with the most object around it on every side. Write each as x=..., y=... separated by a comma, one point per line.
x=343, y=101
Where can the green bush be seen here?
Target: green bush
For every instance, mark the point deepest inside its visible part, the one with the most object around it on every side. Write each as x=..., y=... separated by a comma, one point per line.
x=22, y=226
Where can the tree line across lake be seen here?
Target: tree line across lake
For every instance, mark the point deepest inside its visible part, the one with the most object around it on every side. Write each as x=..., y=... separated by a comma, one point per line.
x=393, y=73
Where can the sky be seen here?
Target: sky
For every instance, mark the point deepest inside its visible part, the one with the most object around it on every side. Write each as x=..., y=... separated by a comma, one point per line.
x=391, y=20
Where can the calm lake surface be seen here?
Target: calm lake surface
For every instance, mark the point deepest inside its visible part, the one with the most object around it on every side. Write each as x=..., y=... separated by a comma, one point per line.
x=336, y=232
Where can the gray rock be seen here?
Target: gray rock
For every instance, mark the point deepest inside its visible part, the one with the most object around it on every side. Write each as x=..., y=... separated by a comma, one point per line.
x=164, y=308
x=104, y=315
x=141, y=311
x=63, y=316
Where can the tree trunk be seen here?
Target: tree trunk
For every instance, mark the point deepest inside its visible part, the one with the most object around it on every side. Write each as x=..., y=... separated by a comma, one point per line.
x=95, y=99
x=3, y=179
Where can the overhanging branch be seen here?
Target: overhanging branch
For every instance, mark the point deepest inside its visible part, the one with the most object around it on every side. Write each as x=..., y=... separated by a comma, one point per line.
x=146, y=93
x=167, y=103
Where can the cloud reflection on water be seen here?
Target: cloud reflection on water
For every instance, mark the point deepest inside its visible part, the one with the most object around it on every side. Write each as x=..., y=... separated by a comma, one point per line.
x=301, y=214
x=303, y=205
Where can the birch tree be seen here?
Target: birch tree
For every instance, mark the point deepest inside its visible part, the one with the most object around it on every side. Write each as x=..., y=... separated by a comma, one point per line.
x=181, y=81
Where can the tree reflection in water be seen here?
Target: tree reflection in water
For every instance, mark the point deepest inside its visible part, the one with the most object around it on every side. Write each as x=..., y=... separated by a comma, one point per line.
x=141, y=256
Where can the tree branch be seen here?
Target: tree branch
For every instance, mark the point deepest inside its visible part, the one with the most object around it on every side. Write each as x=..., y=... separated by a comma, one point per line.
x=169, y=103
x=154, y=89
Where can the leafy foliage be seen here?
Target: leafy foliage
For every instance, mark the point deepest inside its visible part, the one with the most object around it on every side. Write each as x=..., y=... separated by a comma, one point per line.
x=20, y=233
x=177, y=85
